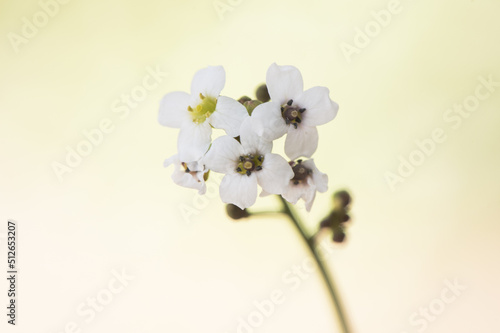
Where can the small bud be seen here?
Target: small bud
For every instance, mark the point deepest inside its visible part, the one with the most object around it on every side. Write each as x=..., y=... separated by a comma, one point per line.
x=244, y=99
x=251, y=105
x=338, y=235
x=262, y=93
x=235, y=212
x=341, y=199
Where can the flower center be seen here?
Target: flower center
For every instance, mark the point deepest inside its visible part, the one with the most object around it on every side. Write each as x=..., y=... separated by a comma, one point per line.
x=300, y=172
x=203, y=110
x=249, y=163
x=292, y=113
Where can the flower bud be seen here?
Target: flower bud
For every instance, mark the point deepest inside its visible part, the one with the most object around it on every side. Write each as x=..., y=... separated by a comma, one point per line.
x=262, y=93
x=244, y=99
x=250, y=105
x=341, y=199
x=338, y=235
x=236, y=212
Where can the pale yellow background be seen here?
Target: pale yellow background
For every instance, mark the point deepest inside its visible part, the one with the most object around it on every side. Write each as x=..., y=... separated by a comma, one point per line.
x=120, y=209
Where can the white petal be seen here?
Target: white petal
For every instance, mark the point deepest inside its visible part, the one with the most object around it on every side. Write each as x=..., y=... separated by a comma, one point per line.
x=224, y=155
x=293, y=193
x=283, y=83
x=208, y=81
x=310, y=193
x=239, y=190
x=264, y=194
x=194, y=140
x=180, y=177
x=174, y=159
x=310, y=199
x=320, y=179
x=173, y=109
x=275, y=174
x=320, y=109
x=189, y=181
x=268, y=122
x=253, y=143
x=229, y=115
x=301, y=141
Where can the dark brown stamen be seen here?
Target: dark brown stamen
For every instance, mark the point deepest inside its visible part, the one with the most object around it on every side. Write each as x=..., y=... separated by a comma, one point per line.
x=300, y=173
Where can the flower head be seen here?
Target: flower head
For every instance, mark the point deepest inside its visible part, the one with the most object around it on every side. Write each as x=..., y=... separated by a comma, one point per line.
x=246, y=164
x=306, y=181
x=293, y=111
x=191, y=175
x=196, y=113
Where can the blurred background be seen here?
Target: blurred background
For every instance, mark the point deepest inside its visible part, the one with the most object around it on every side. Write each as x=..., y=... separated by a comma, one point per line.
x=107, y=242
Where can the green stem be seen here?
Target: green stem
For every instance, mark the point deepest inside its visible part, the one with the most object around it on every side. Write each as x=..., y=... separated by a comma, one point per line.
x=264, y=213
x=337, y=302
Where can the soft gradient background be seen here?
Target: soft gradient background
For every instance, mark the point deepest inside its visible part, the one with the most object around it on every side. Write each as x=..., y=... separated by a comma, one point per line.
x=119, y=208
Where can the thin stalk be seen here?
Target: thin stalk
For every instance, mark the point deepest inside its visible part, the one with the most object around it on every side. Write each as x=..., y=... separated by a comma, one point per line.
x=335, y=296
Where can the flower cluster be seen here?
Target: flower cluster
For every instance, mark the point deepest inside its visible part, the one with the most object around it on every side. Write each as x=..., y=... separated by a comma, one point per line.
x=245, y=154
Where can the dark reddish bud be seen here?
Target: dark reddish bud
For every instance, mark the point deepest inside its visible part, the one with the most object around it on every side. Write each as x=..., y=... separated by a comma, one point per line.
x=236, y=212
x=338, y=235
x=342, y=199
x=244, y=99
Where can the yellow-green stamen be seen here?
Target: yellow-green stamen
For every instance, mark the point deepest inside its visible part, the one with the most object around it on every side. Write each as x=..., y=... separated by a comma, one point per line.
x=249, y=164
x=202, y=111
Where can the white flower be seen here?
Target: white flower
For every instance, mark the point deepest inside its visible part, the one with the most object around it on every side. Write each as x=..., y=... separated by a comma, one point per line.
x=246, y=165
x=306, y=181
x=196, y=113
x=293, y=111
x=189, y=175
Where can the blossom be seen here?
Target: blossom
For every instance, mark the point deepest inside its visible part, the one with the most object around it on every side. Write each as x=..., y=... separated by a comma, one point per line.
x=306, y=181
x=293, y=111
x=191, y=175
x=196, y=113
x=245, y=165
